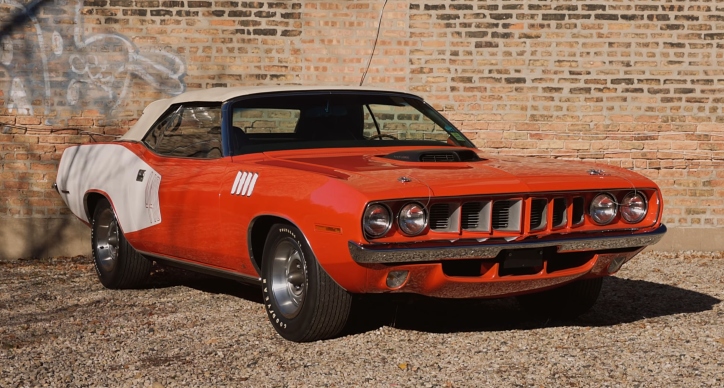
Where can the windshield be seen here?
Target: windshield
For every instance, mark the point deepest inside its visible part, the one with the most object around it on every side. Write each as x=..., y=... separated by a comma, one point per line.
x=337, y=119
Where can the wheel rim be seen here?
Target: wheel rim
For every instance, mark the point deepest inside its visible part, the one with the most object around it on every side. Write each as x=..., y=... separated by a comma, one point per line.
x=289, y=277
x=107, y=241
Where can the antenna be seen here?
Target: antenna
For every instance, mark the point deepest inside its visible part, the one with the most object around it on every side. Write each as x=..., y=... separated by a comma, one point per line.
x=372, y=54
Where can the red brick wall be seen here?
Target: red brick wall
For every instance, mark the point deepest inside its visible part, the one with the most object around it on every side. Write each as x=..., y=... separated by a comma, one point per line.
x=635, y=84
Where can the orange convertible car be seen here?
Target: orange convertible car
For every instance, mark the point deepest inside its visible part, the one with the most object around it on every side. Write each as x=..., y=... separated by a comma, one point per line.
x=318, y=194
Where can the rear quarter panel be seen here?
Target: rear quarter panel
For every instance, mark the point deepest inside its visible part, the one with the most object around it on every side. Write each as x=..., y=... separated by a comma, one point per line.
x=110, y=169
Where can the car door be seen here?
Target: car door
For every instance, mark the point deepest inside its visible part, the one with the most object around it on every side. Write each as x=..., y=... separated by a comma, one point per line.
x=186, y=151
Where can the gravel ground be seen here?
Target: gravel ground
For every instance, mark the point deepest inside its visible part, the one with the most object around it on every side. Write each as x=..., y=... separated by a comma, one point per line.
x=659, y=322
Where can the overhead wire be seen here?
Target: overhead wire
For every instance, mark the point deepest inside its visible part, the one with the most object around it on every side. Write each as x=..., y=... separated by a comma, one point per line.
x=374, y=47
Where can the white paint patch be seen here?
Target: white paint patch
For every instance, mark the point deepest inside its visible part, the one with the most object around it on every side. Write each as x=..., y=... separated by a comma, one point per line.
x=56, y=43
x=6, y=55
x=73, y=93
x=19, y=101
x=112, y=169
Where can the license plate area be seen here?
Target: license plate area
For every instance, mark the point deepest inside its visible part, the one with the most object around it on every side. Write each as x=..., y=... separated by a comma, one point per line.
x=520, y=261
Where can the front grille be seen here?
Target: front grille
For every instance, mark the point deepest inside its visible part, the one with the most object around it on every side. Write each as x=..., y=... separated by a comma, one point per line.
x=559, y=212
x=538, y=214
x=578, y=211
x=440, y=216
x=471, y=215
x=476, y=216
x=506, y=215
x=502, y=216
x=438, y=157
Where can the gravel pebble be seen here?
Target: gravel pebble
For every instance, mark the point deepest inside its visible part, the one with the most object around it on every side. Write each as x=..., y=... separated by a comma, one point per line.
x=658, y=322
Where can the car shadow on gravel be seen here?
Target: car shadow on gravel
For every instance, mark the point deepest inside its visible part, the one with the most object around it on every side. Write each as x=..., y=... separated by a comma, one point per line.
x=164, y=277
x=621, y=301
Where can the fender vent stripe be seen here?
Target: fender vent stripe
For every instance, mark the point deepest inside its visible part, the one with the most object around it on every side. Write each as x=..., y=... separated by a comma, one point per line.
x=241, y=182
x=236, y=182
x=244, y=183
x=251, y=186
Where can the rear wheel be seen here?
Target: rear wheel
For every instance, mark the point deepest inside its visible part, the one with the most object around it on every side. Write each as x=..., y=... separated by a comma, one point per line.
x=303, y=303
x=568, y=301
x=117, y=264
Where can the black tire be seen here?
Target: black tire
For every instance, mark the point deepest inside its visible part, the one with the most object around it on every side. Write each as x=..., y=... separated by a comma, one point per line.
x=303, y=303
x=117, y=264
x=567, y=302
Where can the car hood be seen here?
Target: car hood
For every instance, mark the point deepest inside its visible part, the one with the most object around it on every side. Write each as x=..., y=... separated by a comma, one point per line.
x=373, y=170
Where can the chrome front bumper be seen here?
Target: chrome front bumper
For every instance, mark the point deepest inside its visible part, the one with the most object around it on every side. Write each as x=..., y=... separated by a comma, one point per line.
x=384, y=254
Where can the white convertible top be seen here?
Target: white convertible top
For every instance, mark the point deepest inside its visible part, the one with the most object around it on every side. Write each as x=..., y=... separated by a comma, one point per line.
x=155, y=109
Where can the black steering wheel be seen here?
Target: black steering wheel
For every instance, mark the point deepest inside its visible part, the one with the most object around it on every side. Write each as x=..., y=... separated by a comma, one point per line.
x=381, y=136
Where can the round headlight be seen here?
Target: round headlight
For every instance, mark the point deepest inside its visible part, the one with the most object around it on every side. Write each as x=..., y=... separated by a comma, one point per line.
x=633, y=207
x=376, y=220
x=603, y=209
x=412, y=219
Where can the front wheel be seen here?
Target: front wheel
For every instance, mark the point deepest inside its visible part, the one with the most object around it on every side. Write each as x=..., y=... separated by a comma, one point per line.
x=303, y=303
x=568, y=301
x=117, y=264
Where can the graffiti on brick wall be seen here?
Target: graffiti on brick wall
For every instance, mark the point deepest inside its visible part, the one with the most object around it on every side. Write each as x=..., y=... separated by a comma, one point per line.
x=52, y=64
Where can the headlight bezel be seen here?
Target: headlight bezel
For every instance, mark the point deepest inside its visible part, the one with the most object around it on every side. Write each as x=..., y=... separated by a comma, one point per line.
x=624, y=206
x=592, y=208
x=366, y=218
x=404, y=226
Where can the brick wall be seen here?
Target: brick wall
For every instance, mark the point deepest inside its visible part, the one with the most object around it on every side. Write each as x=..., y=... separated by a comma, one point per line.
x=635, y=84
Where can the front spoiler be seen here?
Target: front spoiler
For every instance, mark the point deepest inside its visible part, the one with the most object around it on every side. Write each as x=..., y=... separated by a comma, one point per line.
x=385, y=254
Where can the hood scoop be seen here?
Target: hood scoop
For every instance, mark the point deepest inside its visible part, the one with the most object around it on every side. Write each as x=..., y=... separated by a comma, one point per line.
x=435, y=156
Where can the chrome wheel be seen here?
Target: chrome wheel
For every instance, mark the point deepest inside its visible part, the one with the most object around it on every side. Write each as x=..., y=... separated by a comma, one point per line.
x=302, y=302
x=117, y=264
x=107, y=243
x=288, y=277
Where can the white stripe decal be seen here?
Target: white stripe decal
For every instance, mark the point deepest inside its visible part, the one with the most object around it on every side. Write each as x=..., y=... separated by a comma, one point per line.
x=246, y=183
x=241, y=181
x=236, y=182
x=251, y=186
